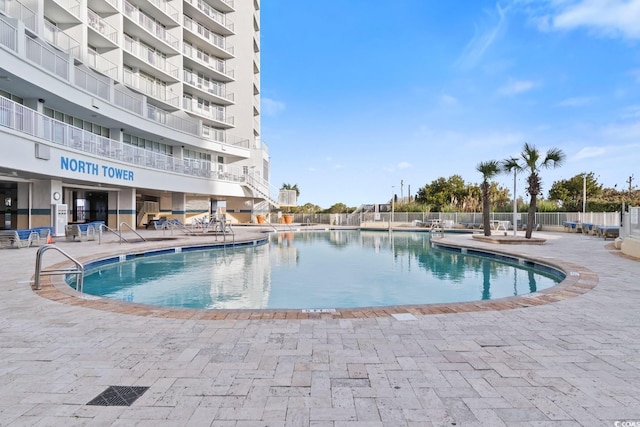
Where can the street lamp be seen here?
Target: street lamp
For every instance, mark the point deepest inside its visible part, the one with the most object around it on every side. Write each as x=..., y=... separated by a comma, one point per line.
x=515, y=205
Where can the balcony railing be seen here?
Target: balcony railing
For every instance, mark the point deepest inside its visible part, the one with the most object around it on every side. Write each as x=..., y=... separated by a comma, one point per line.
x=218, y=90
x=132, y=12
x=8, y=35
x=208, y=35
x=151, y=89
x=15, y=9
x=150, y=56
x=164, y=117
x=92, y=83
x=128, y=101
x=100, y=25
x=168, y=9
x=211, y=112
x=216, y=16
x=47, y=58
x=206, y=60
x=59, y=38
x=29, y=122
x=72, y=6
x=102, y=64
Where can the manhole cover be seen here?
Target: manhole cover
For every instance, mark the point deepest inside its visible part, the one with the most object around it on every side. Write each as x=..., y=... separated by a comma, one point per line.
x=118, y=396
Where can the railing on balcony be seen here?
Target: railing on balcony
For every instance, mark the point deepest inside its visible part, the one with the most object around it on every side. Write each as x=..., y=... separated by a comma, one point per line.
x=92, y=83
x=102, y=64
x=212, y=112
x=128, y=101
x=8, y=35
x=59, y=38
x=132, y=12
x=186, y=125
x=15, y=9
x=150, y=56
x=167, y=8
x=208, y=35
x=206, y=60
x=216, y=89
x=72, y=6
x=24, y=120
x=150, y=88
x=47, y=58
x=216, y=16
x=101, y=26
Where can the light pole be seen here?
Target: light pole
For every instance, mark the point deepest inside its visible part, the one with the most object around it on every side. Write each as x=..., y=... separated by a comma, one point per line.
x=584, y=195
x=515, y=205
x=393, y=196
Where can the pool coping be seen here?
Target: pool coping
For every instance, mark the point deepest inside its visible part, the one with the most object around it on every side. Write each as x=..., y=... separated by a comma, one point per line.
x=578, y=281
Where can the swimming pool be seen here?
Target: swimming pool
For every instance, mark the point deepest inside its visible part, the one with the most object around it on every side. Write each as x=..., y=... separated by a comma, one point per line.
x=324, y=270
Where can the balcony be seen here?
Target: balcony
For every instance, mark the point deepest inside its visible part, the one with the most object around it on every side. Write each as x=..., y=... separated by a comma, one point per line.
x=218, y=91
x=223, y=5
x=63, y=11
x=19, y=11
x=149, y=60
x=150, y=27
x=208, y=63
x=103, y=65
x=210, y=112
x=61, y=40
x=154, y=90
x=168, y=9
x=108, y=35
x=218, y=21
x=223, y=49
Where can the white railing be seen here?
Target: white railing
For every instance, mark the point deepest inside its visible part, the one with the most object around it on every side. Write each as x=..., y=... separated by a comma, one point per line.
x=216, y=16
x=206, y=60
x=72, y=6
x=47, y=58
x=634, y=221
x=150, y=56
x=22, y=119
x=217, y=89
x=56, y=36
x=131, y=12
x=209, y=111
x=208, y=35
x=128, y=101
x=102, y=64
x=167, y=8
x=150, y=88
x=91, y=83
x=8, y=35
x=183, y=124
x=16, y=9
x=101, y=26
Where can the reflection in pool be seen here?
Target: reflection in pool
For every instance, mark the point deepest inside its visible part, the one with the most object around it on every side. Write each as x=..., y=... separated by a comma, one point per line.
x=333, y=269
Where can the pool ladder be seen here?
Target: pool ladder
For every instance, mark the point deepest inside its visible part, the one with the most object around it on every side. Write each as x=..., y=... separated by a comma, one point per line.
x=78, y=270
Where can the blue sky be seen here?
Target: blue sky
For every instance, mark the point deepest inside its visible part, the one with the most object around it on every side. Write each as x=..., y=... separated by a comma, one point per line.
x=359, y=95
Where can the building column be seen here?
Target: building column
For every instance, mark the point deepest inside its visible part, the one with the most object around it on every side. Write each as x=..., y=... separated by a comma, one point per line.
x=125, y=207
x=178, y=203
x=35, y=202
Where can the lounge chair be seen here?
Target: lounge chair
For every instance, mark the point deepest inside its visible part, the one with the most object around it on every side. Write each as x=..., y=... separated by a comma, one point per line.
x=18, y=238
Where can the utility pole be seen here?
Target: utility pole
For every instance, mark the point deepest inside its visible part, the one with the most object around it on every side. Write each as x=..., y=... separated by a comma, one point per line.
x=409, y=193
x=630, y=181
x=401, y=193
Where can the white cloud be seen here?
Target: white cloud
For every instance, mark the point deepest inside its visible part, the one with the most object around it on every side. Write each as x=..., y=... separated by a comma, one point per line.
x=578, y=101
x=588, y=152
x=482, y=40
x=403, y=165
x=448, y=99
x=271, y=107
x=612, y=18
x=515, y=87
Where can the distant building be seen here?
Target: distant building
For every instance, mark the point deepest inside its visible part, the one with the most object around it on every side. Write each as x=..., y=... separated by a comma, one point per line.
x=125, y=110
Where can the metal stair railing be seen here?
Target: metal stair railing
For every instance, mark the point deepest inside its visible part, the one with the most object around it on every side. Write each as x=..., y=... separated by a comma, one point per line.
x=130, y=228
x=106, y=227
x=78, y=270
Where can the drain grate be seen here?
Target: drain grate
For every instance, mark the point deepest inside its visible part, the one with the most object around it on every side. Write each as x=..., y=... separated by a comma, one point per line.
x=116, y=395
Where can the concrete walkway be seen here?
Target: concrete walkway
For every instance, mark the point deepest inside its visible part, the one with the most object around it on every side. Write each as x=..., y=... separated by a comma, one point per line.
x=572, y=362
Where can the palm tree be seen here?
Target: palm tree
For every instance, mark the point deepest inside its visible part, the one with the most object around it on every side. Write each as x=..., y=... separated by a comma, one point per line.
x=488, y=170
x=531, y=161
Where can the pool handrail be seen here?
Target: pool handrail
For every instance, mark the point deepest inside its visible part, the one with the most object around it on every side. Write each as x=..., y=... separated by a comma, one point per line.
x=78, y=271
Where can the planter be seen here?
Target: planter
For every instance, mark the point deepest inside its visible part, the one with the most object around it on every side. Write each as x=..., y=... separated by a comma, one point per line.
x=260, y=219
x=288, y=219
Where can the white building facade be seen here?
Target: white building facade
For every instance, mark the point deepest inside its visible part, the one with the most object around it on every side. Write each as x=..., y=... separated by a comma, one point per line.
x=126, y=110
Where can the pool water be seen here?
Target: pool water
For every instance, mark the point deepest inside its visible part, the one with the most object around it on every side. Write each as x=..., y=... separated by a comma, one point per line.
x=333, y=269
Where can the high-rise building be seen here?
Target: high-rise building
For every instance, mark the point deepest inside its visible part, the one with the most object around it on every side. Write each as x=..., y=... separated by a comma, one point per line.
x=129, y=110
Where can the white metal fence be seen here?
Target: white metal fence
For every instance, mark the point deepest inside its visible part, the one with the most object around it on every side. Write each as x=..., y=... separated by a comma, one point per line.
x=634, y=221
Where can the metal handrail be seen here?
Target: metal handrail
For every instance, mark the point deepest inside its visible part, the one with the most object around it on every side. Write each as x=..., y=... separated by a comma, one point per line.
x=106, y=227
x=130, y=228
x=78, y=271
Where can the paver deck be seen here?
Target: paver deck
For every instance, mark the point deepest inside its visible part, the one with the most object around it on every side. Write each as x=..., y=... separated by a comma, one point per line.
x=569, y=360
